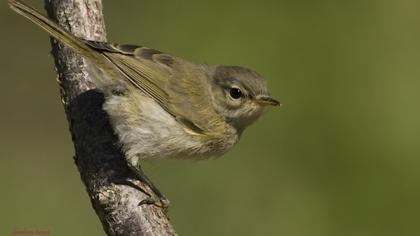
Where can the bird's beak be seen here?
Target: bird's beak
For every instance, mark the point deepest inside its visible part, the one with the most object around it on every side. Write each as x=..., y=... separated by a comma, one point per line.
x=267, y=101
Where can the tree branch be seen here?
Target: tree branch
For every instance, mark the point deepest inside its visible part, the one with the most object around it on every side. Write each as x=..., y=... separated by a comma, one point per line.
x=109, y=182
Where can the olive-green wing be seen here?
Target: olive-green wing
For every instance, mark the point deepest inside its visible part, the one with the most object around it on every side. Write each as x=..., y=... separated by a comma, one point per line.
x=177, y=85
x=137, y=64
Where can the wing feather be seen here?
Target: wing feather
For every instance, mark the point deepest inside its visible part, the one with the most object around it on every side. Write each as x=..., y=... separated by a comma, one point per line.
x=177, y=85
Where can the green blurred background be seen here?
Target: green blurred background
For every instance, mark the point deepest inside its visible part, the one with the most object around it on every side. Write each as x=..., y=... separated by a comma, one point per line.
x=341, y=157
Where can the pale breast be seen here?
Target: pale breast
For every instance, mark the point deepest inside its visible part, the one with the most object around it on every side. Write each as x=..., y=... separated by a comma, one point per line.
x=147, y=131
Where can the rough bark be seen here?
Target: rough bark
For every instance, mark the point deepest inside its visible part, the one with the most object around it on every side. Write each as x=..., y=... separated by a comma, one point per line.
x=109, y=182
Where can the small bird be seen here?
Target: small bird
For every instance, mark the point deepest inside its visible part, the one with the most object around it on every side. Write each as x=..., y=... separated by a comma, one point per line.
x=161, y=106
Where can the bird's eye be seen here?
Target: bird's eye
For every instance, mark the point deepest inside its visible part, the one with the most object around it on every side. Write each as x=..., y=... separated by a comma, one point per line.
x=235, y=93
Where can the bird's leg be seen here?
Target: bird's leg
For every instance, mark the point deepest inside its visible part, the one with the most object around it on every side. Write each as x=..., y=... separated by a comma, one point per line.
x=157, y=198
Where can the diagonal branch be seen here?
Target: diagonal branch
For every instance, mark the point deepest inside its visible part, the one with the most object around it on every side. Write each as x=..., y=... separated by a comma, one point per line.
x=108, y=180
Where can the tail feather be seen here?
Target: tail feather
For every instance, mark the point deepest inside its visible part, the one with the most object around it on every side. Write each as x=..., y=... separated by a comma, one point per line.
x=76, y=44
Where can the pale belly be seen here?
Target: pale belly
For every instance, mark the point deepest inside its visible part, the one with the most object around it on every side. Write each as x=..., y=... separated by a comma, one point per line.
x=147, y=131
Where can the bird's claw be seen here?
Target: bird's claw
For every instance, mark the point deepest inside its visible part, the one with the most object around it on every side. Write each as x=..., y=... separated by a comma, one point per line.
x=161, y=202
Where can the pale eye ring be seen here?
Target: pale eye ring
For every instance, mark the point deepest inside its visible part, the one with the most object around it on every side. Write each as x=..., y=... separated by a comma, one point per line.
x=235, y=93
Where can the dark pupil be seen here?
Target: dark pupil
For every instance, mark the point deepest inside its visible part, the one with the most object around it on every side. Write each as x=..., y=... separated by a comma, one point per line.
x=235, y=93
